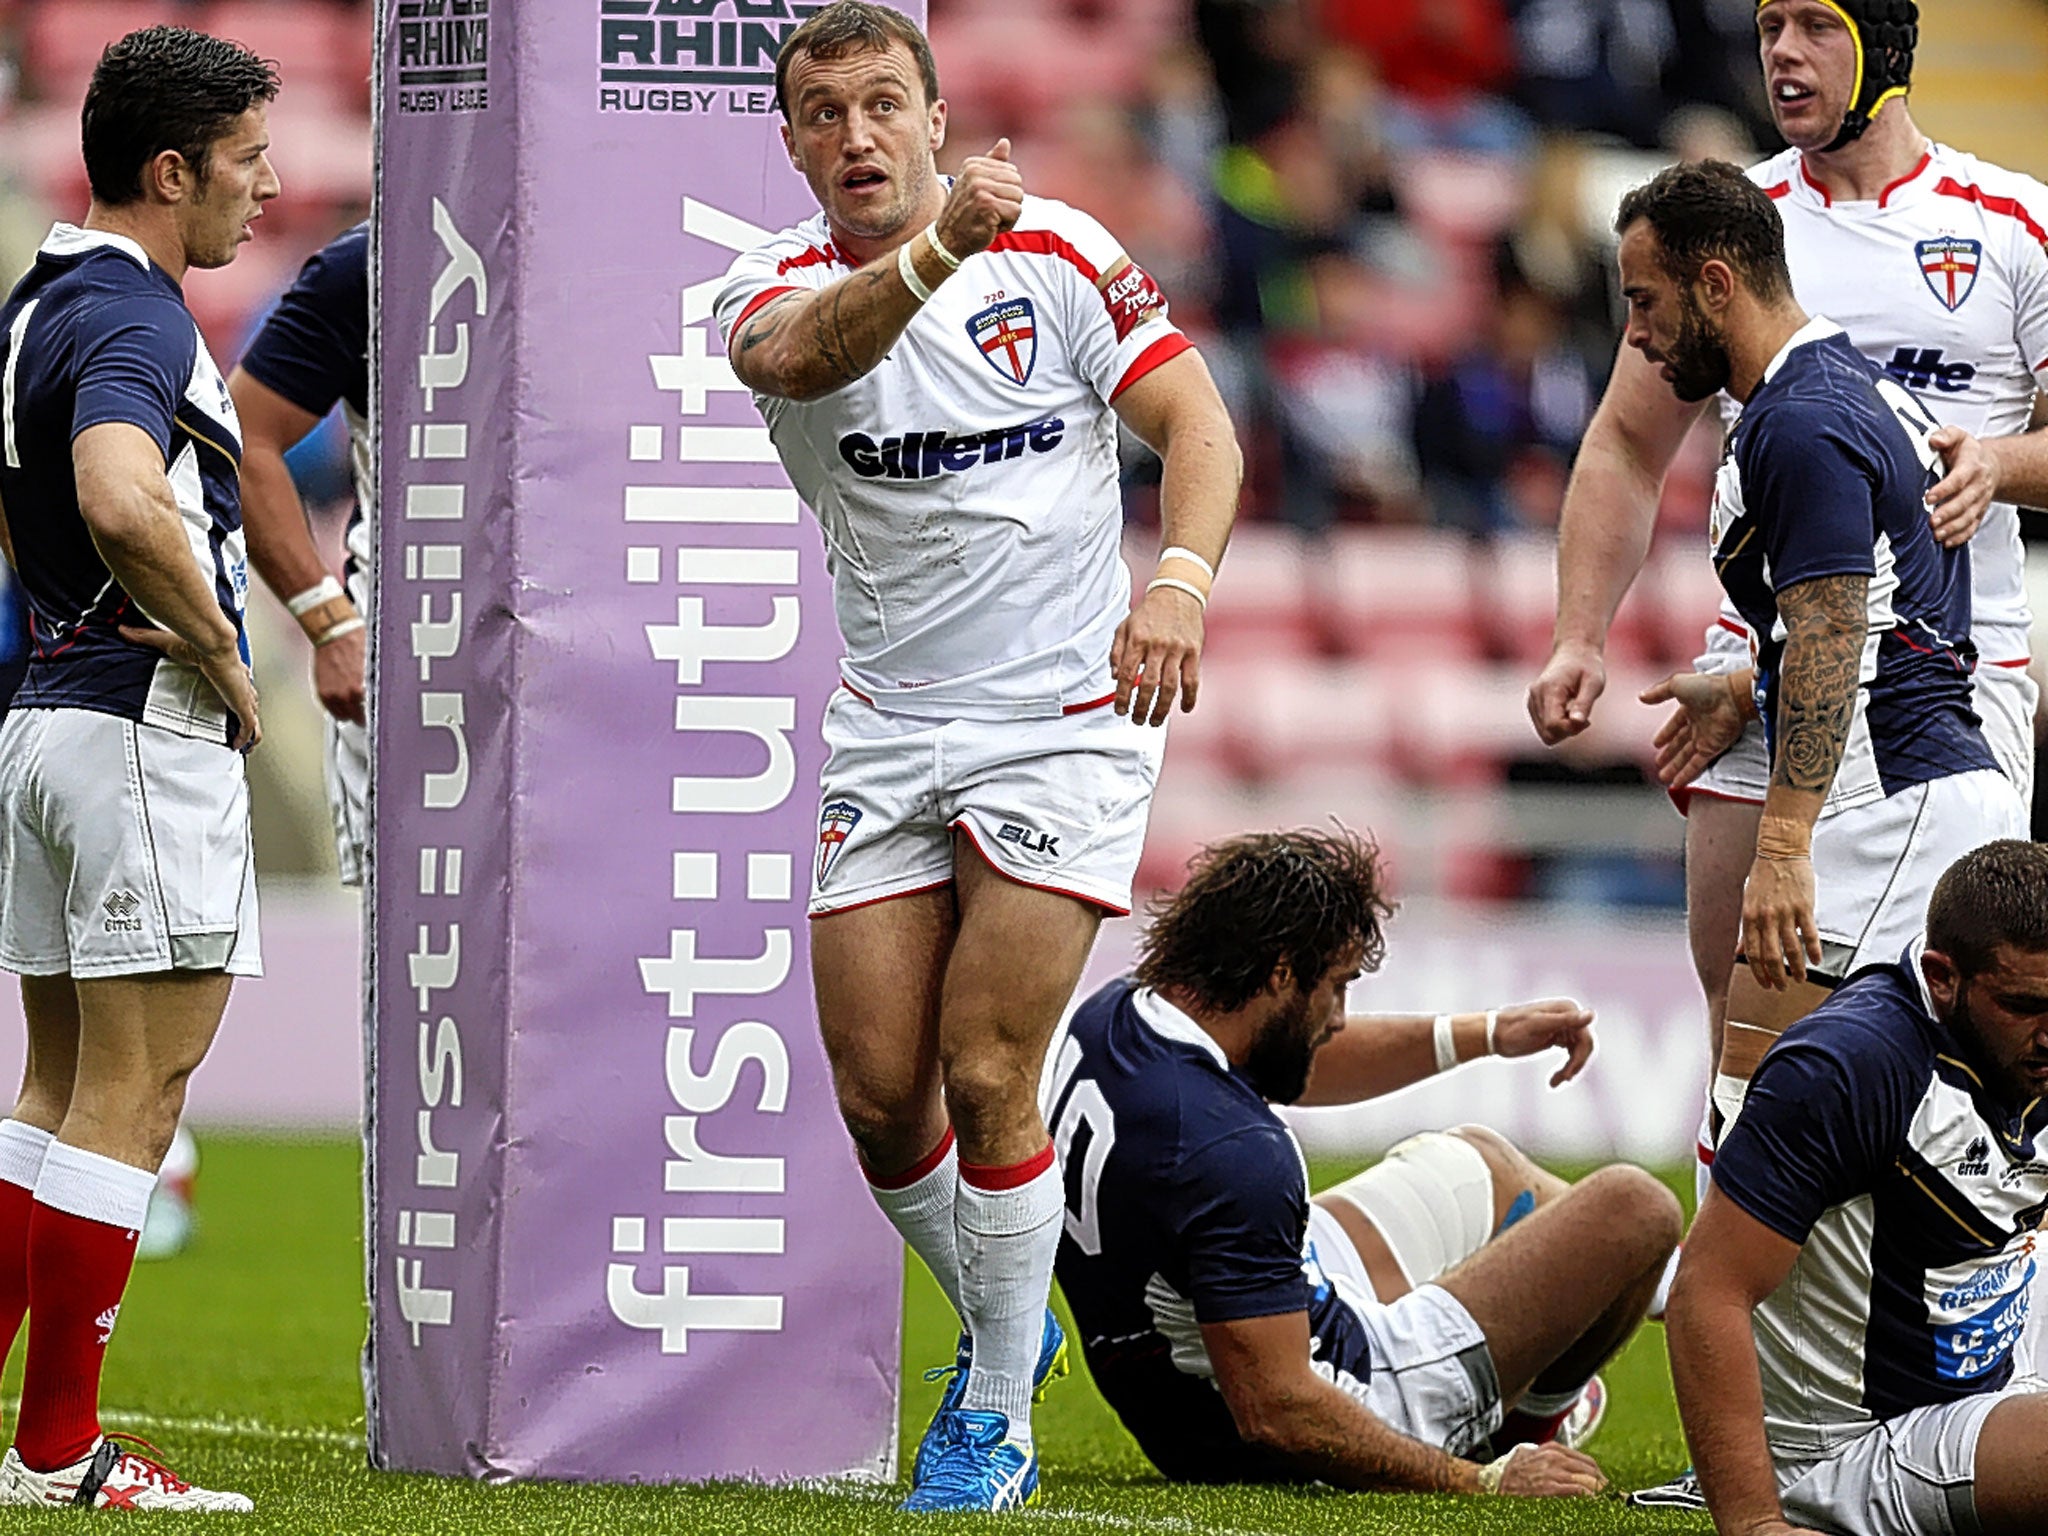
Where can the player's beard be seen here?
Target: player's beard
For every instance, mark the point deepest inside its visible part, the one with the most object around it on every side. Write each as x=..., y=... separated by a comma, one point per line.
x=1698, y=360
x=2007, y=1079
x=1280, y=1057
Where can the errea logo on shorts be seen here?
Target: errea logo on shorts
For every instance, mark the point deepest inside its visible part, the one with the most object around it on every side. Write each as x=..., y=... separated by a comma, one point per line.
x=121, y=907
x=922, y=455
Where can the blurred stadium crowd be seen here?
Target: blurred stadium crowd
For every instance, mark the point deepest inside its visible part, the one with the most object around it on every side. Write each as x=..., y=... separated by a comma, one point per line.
x=1386, y=221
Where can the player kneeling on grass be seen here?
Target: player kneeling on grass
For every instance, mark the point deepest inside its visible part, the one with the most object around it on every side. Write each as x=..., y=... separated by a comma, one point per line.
x=1842, y=1326
x=1448, y=1306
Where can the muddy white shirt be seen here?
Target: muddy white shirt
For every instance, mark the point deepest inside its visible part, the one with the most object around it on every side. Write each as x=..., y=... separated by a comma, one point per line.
x=1942, y=281
x=967, y=486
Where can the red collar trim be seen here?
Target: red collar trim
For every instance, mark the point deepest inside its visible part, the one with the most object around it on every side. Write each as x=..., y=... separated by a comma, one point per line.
x=1926, y=159
x=1828, y=200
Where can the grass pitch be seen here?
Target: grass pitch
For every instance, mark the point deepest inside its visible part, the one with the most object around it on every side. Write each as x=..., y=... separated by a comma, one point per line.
x=239, y=1361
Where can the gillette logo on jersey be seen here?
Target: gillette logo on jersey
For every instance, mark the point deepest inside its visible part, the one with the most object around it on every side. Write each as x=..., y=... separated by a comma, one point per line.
x=921, y=455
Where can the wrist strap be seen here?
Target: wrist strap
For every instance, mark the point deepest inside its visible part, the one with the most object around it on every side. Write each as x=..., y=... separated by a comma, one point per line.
x=1491, y=1474
x=931, y=234
x=1492, y=1023
x=347, y=626
x=325, y=591
x=1182, y=552
x=908, y=271
x=1179, y=586
x=1446, y=1046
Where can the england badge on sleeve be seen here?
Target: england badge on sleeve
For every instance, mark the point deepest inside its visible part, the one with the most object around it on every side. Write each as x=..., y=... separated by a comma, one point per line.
x=1949, y=263
x=835, y=824
x=1006, y=333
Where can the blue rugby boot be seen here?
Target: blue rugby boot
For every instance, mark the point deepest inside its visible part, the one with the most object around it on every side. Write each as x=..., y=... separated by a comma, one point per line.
x=974, y=1466
x=1053, y=1363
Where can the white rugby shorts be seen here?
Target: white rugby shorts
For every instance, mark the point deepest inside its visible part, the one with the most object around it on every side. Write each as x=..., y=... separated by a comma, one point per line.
x=2004, y=697
x=1059, y=804
x=1432, y=1372
x=1914, y=1475
x=1875, y=865
x=348, y=796
x=124, y=850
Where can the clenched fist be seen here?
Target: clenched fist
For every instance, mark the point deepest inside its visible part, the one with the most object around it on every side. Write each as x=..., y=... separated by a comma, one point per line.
x=986, y=200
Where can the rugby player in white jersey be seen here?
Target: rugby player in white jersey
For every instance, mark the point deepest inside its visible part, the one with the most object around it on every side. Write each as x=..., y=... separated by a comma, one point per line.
x=1932, y=261
x=942, y=370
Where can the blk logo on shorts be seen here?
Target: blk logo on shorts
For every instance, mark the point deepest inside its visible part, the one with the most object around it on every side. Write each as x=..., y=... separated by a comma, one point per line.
x=835, y=824
x=121, y=907
x=1029, y=839
x=1006, y=333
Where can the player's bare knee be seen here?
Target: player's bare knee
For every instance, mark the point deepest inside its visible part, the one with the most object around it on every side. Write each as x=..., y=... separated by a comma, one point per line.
x=1637, y=1203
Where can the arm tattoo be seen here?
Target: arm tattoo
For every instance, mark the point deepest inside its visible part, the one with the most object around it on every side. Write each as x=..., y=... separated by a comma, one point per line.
x=1825, y=624
x=829, y=331
x=765, y=323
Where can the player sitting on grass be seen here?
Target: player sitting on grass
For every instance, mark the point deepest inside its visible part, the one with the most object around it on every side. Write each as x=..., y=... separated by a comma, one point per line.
x=1842, y=1328
x=1451, y=1303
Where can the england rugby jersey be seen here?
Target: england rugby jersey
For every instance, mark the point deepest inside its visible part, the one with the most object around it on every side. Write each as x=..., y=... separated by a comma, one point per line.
x=314, y=350
x=1187, y=1203
x=97, y=333
x=1915, y=1196
x=967, y=486
x=1823, y=476
x=1942, y=282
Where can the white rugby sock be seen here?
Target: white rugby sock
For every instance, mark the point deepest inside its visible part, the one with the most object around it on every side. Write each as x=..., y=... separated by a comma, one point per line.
x=1703, y=1156
x=1009, y=1231
x=1729, y=1092
x=21, y=1153
x=920, y=1204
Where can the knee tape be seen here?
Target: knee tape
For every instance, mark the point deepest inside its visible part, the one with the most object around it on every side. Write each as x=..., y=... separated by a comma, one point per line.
x=1431, y=1198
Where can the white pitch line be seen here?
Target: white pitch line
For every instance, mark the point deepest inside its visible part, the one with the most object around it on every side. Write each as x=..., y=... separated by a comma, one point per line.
x=246, y=1429
x=1132, y=1522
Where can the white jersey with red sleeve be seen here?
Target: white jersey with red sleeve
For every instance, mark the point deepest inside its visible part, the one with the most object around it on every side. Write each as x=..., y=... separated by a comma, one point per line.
x=967, y=486
x=1942, y=281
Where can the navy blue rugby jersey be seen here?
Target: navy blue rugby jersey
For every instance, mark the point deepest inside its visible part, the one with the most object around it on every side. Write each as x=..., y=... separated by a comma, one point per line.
x=313, y=349
x=97, y=333
x=1916, y=1197
x=1825, y=474
x=1187, y=1203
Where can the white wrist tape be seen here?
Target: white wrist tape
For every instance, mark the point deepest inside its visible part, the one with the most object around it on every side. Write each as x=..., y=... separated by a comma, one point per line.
x=1182, y=552
x=908, y=271
x=347, y=626
x=326, y=591
x=931, y=234
x=1179, y=586
x=1446, y=1046
x=1492, y=1023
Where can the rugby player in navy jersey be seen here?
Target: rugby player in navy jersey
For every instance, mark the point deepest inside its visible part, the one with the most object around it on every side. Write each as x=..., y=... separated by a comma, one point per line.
x=1842, y=1325
x=312, y=353
x=1881, y=776
x=1425, y=1326
x=127, y=884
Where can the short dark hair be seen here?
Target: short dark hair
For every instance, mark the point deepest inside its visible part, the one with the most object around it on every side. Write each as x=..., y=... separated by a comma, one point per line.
x=853, y=26
x=1993, y=895
x=1255, y=902
x=165, y=88
x=1711, y=211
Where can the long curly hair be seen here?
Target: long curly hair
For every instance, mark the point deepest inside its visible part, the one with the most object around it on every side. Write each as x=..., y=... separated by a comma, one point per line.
x=1254, y=903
